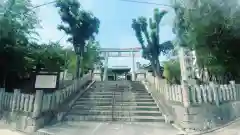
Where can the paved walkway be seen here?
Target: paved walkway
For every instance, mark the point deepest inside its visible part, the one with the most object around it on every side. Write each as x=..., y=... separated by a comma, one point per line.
x=110, y=128
x=232, y=129
x=9, y=132
x=4, y=130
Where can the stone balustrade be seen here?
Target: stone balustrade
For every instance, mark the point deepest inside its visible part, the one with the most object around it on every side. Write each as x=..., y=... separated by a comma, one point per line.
x=18, y=101
x=199, y=94
x=197, y=107
x=18, y=109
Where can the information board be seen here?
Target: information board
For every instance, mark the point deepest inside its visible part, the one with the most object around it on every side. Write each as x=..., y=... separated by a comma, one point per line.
x=46, y=81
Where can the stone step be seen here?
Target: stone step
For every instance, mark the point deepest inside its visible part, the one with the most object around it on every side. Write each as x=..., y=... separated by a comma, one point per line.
x=110, y=96
x=136, y=91
x=110, y=99
x=109, y=107
x=115, y=104
x=116, y=97
x=147, y=119
x=116, y=93
x=115, y=112
x=114, y=118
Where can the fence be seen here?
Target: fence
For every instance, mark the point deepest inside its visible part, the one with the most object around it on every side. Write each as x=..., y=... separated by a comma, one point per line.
x=40, y=101
x=64, y=83
x=198, y=94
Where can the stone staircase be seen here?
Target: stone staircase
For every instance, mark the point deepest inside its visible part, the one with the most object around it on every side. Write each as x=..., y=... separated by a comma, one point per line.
x=128, y=101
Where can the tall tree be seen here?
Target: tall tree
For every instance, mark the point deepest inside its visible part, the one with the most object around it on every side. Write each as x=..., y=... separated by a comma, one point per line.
x=15, y=32
x=214, y=38
x=149, y=39
x=80, y=25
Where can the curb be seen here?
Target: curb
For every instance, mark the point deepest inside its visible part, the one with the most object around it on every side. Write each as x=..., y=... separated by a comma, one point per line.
x=216, y=128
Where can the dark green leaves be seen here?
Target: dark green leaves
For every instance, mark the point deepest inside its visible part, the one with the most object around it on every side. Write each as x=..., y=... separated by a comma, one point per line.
x=212, y=30
x=80, y=24
x=149, y=32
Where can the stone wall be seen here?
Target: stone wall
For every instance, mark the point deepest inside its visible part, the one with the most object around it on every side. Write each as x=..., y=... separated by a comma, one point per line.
x=25, y=122
x=205, y=116
x=208, y=106
x=28, y=113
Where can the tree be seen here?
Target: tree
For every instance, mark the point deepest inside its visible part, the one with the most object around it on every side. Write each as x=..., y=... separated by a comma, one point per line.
x=48, y=56
x=15, y=31
x=214, y=38
x=80, y=25
x=172, y=71
x=150, y=41
x=92, y=55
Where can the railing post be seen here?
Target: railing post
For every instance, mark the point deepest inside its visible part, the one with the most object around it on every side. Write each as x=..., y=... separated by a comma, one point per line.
x=215, y=93
x=2, y=90
x=15, y=98
x=185, y=93
x=38, y=103
x=234, y=89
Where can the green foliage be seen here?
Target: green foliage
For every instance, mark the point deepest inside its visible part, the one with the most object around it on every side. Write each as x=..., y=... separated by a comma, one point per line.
x=172, y=71
x=90, y=58
x=48, y=56
x=79, y=24
x=19, y=55
x=147, y=33
x=215, y=38
x=92, y=55
x=15, y=32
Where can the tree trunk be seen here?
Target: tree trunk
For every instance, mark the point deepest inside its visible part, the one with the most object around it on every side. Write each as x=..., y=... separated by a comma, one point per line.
x=156, y=67
x=82, y=67
x=78, y=66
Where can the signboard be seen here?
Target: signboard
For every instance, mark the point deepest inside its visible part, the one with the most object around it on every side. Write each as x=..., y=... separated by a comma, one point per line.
x=46, y=81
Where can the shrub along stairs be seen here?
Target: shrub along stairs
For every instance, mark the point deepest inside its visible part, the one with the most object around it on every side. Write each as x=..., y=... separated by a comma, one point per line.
x=115, y=102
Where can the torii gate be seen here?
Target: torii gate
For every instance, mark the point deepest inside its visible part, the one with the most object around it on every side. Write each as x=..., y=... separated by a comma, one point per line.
x=120, y=52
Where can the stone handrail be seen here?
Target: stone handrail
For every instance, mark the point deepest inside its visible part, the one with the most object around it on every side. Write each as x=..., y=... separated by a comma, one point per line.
x=40, y=101
x=197, y=94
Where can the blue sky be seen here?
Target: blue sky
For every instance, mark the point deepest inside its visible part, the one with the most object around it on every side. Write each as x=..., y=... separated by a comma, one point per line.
x=115, y=28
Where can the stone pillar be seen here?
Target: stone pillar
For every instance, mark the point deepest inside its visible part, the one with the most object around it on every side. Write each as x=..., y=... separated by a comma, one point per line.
x=133, y=67
x=185, y=93
x=105, y=75
x=234, y=90
x=186, y=72
x=2, y=90
x=215, y=93
x=15, y=98
x=38, y=103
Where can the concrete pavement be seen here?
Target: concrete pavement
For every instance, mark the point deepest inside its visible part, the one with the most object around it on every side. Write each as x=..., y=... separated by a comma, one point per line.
x=231, y=129
x=110, y=128
x=4, y=130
